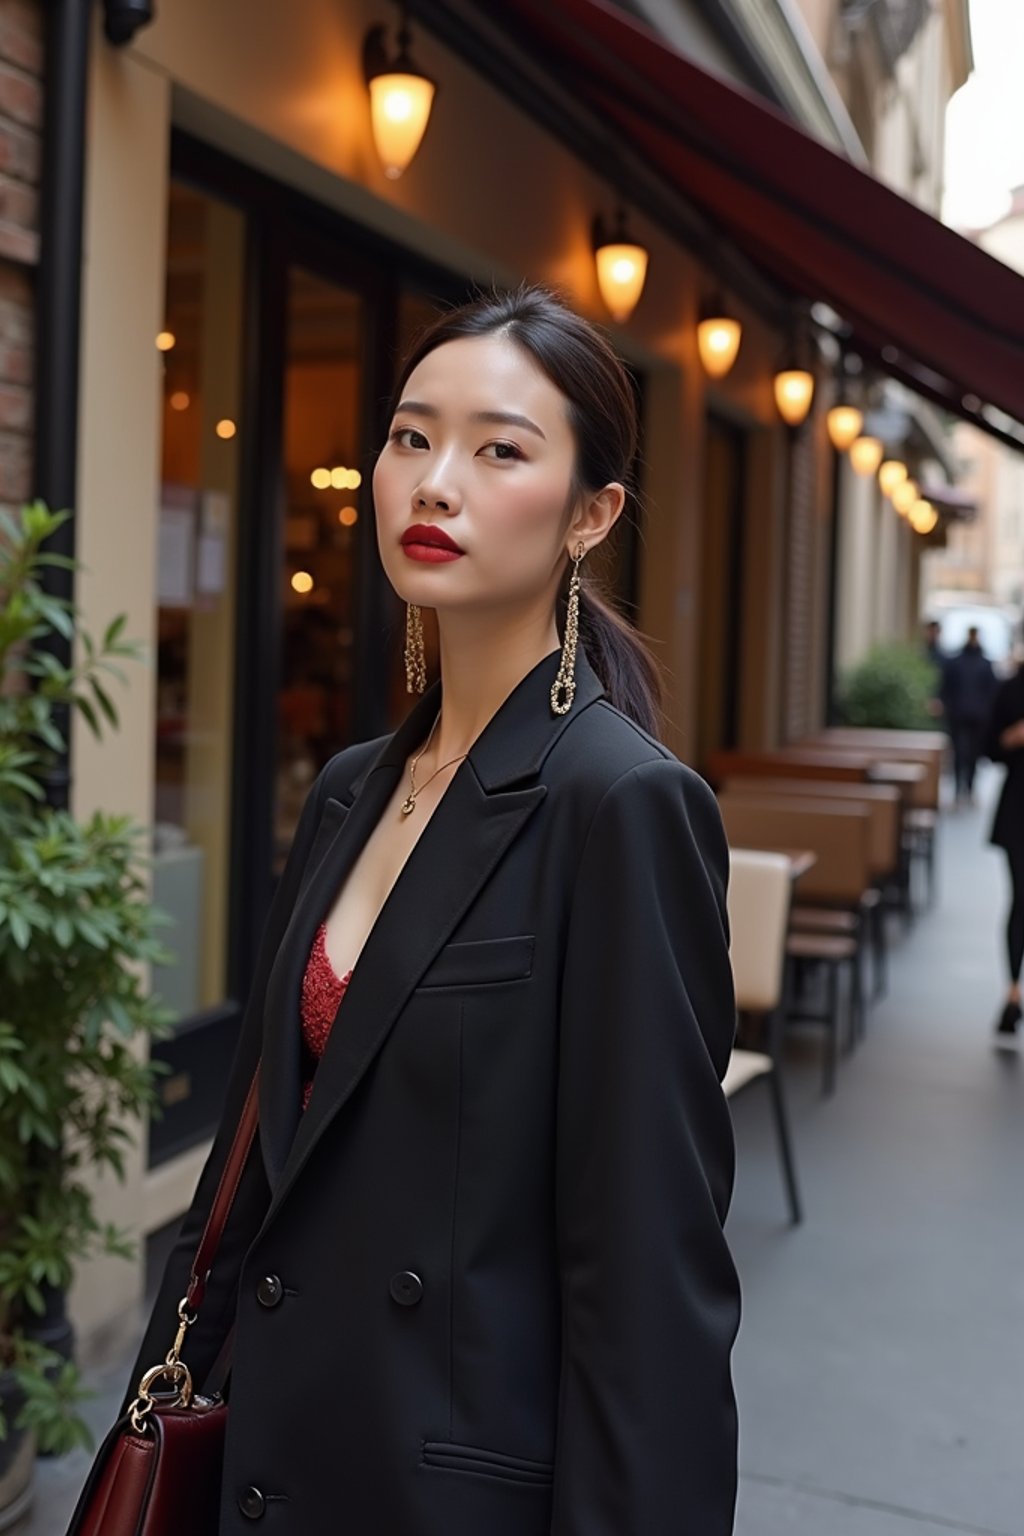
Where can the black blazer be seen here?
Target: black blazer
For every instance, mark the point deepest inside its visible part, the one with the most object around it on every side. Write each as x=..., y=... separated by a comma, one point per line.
x=1008, y=825
x=481, y=1284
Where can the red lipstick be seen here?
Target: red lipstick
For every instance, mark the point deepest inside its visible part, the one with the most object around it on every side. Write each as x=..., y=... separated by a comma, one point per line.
x=424, y=541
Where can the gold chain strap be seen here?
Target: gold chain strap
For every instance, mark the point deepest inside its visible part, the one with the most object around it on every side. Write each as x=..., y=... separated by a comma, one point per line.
x=173, y=1369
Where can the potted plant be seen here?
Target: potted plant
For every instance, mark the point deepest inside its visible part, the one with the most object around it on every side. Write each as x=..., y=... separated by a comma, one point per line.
x=76, y=934
x=890, y=689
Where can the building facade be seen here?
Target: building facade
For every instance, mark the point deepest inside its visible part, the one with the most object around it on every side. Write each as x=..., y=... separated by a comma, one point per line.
x=986, y=557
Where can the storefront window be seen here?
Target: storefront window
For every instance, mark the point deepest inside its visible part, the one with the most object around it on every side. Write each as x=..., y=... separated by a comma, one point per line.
x=201, y=345
x=327, y=498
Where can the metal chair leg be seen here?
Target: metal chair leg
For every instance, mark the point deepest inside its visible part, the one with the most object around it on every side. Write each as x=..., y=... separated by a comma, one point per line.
x=785, y=1145
x=828, y=1084
x=879, y=954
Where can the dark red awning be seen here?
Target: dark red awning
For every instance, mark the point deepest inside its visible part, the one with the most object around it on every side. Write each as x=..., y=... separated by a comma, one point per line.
x=949, y=317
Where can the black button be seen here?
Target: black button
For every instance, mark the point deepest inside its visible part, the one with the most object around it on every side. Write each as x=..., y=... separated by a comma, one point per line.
x=252, y=1503
x=269, y=1291
x=406, y=1288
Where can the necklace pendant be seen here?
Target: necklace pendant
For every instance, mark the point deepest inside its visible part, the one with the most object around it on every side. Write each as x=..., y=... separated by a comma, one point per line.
x=408, y=804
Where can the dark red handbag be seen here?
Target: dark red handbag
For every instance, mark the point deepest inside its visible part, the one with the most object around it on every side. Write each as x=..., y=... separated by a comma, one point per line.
x=158, y=1472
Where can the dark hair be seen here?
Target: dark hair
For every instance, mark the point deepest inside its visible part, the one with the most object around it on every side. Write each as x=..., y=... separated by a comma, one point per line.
x=582, y=365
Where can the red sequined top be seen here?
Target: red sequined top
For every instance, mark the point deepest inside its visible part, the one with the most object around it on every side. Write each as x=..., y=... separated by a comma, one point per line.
x=322, y=991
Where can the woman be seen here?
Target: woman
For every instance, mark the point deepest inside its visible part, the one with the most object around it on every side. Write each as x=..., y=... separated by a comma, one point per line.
x=479, y=1283
x=1006, y=745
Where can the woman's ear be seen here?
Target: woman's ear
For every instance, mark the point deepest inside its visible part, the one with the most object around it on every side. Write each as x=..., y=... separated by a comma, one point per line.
x=597, y=516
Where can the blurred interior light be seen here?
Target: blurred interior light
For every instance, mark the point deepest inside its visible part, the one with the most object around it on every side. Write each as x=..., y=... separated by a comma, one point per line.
x=718, y=338
x=320, y=479
x=165, y=340
x=891, y=474
x=844, y=424
x=621, y=266
x=794, y=392
x=904, y=496
x=302, y=581
x=866, y=454
x=348, y=517
x=180, y=400
x=401, y=98
x=226, y=428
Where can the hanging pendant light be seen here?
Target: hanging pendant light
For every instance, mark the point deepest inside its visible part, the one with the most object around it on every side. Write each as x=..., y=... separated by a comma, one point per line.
x=922, y=516
x=794, y=392
x=718, y=338
x=401, y=97
x=866, y=454
x=844, y=425
x=621, y=266
x=891, y=474
x=904, y=496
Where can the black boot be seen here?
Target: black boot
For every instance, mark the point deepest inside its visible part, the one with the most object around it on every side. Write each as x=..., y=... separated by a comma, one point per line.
x=1010, y=1018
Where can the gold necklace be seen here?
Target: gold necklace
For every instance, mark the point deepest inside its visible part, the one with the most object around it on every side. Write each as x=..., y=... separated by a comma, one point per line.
x=409, y=803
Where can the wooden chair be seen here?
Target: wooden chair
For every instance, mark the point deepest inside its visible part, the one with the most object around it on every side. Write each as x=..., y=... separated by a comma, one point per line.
x=867, y=922
x=930, y=748
x=759, y=903
x=838, y=835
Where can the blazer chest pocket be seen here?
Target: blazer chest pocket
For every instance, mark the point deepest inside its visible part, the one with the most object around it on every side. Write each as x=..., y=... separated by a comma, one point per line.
x=480, y=963
x=475, y=1459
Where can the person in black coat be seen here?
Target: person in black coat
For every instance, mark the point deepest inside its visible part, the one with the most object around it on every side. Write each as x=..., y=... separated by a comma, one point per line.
x=481, y=1283
x=968, y=690
x=1006, y=745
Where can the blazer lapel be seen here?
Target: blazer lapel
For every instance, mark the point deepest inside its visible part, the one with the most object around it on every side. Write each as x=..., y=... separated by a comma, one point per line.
x=492, y=795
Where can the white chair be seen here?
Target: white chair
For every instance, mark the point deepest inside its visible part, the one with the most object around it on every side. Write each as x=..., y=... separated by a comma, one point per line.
x=760, y=890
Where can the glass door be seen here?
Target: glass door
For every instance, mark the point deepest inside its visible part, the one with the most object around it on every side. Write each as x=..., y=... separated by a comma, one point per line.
x=325, y=518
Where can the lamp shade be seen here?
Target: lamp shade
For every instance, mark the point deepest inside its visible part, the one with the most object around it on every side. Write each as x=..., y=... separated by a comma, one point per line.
x=621, y=273
x=400, y=111
x=718, y=342
x=891, y=474
x=866, y=454
x=922, y=516
x=904, y=496
x=794, y=392
x=401, y=97
x=844, y=424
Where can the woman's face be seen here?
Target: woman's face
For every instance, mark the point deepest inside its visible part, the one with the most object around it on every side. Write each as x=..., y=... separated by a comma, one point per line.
x=480, y=447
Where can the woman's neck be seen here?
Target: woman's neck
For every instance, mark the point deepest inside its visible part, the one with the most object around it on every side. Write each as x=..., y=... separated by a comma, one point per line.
x=478, y=672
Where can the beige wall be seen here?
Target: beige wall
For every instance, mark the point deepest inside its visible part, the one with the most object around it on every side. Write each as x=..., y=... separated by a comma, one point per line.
x=116, y=523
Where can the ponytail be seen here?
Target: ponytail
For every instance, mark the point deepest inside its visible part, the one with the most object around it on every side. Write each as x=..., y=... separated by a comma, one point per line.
x=623, y=663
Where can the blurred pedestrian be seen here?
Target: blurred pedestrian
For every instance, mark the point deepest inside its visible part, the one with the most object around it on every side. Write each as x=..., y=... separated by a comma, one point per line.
x=936, y=656
x=1005, y=744
x=968, y=691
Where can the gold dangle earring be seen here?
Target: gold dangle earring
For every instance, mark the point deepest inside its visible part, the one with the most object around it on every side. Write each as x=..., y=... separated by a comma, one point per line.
x=565, y=682
x=415, y=654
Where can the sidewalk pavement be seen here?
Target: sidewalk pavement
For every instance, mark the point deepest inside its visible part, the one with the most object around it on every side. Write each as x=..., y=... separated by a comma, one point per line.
x=880, y=1364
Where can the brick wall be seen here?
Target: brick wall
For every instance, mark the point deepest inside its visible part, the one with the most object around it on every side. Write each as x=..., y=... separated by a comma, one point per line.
x=21, y=111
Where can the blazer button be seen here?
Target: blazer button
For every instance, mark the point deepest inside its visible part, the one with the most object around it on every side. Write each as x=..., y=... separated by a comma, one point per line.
x=252, y=1503
x=269, y=1291
x=406, y=1288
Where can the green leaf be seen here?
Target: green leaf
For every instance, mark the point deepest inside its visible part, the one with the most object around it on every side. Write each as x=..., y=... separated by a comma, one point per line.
x=89, y=713
x=20, y=931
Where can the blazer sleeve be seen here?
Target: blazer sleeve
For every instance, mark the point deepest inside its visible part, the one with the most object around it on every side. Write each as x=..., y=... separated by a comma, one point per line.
x=647, y=1427
x=205, y=1339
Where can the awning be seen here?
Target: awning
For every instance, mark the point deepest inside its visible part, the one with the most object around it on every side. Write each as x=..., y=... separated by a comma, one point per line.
x=925, y=304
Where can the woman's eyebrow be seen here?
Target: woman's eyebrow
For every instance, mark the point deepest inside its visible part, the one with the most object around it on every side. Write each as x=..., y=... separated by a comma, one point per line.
x=494, y=418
